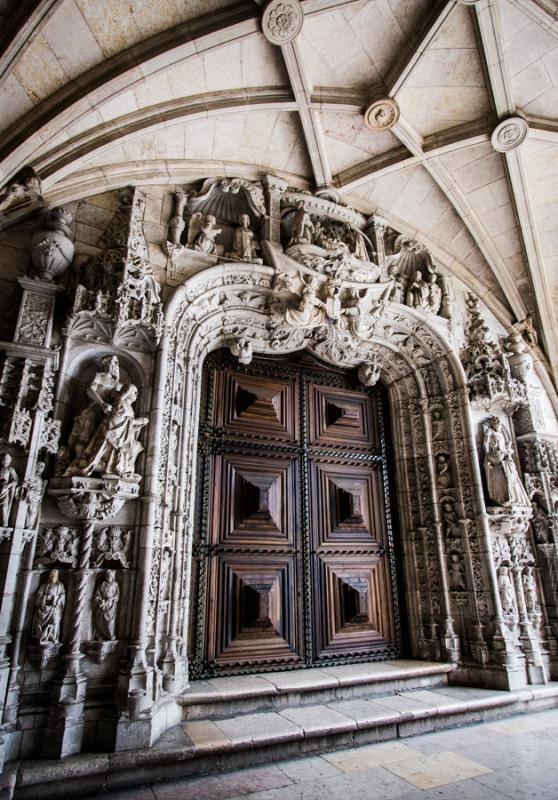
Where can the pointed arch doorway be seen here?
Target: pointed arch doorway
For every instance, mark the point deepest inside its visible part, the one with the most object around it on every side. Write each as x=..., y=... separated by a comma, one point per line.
x=293, y=556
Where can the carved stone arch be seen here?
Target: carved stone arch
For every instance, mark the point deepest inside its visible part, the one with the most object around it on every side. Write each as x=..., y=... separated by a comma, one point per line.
x=421, y=370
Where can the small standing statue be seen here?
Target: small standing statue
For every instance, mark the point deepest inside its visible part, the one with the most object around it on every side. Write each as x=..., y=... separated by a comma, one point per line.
x=49, y=608
x=355, y=241
x=397, y=293
x=245, y=245
x=119, y=447
x=418, y=293
x=205, y=239
x=302, y=227
x=502, y=479
x=530, y=590
x=434, y=293
x=105, y=607
x=507, y=596
x=458, y=581
x=9, y=480
x=34, y=489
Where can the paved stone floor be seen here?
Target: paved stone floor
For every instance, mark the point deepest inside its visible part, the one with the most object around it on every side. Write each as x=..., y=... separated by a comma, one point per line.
x=516, y=757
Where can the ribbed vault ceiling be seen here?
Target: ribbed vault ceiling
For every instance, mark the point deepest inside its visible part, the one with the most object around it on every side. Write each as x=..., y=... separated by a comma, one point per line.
x=96, y=94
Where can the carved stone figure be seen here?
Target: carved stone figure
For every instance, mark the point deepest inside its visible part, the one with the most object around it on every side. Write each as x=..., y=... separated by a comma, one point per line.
x=434, y=293
x=34, y=489
x=333, y=307
x=242, y=349
x=302, y=227
x=118, y=448
x=443, y=476
x=9, y=481
x=437, y=420
x=25, y=188
x=540, y=524
x=245, y=243
x=355, y=241
x=57, y=546
x=177, y=222
x=112, y=544
x=456, y=571
x=49, y=609
x=105, y=607
x=205, y=239
x=310, y=312
x=526, y=329
x=398, y=288
x=530, y=590
x=507, y=596
x=87, y=428
x=502, y=479
x=369, y=374
x=418, y=293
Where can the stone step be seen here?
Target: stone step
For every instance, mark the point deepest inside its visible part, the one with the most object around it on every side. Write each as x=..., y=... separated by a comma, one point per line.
x=206, y=746
x=227, y=697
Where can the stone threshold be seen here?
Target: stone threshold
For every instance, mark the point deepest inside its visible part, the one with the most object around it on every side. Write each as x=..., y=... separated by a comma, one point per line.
x=207, y=746
x=222, y=697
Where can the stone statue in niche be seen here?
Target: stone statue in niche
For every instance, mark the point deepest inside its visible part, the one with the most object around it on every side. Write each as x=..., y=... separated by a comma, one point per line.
x=438, y=424
x=204, y=240
x=530, y=590
x=34, y=489
x=456, y=572
x=507, y=596
x=398, y=284
x=25, y=188
x=443, y=476
x=105, y=607
x=356, y=242
x=302, y=228
x=87, y=428
x=502, y=479
x=49, y=609
x=117, y=445
x=245, y=244
x=310, y=311
x=9, y=481
x=434, y=293
x=418, y=293
x=540, y=524
x=178, y=223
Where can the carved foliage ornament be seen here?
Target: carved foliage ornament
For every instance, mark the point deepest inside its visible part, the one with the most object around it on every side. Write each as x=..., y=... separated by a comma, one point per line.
x=282, y=21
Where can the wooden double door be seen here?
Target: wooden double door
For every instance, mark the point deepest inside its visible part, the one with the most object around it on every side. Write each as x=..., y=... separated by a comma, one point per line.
x=293, y=557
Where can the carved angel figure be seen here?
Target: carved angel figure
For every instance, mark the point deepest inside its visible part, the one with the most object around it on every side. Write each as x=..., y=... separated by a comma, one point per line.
x=310, y=311
x=502, y=479
x=9, y=480
x=245, y=243
x=87, y=428
x=119, y=448
x=105, y=607
x=49, y=608
x=456, y=572
x=205, y=239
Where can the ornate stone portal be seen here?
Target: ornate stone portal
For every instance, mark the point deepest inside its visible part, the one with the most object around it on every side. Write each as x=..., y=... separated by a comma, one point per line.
x=259, y=269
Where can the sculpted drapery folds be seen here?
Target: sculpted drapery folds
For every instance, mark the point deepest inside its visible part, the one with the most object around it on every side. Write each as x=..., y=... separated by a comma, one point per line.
x=105, y=607
x=49, y=609
x=9, y=481
x=503, y=482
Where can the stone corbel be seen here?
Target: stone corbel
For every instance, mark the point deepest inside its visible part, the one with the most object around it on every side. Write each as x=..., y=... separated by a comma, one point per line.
x=98, y=650
x=91, y=498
